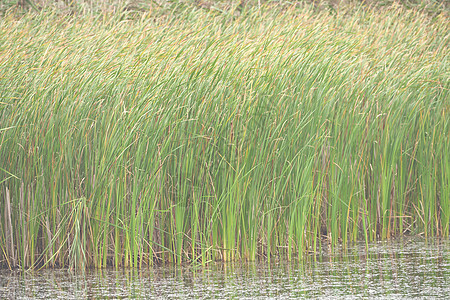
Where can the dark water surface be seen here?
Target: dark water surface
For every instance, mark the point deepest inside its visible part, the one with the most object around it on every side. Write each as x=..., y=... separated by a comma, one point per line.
x=413, y=268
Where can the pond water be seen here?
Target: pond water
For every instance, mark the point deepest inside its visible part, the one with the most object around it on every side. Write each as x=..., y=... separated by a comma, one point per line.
x=412, y=268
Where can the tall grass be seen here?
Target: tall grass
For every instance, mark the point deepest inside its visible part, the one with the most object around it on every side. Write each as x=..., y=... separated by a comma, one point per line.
x=207, y=136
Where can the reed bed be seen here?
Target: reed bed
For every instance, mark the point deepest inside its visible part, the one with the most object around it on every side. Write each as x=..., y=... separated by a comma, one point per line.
x=202, y=136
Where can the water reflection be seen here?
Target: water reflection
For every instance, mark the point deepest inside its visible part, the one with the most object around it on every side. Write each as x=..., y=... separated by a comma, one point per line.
x=413, y=268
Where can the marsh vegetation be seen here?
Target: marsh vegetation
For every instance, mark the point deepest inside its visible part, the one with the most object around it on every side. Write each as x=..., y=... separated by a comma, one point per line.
x=200, y=135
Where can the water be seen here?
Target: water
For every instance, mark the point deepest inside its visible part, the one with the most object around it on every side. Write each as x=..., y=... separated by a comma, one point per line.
x=412, y=268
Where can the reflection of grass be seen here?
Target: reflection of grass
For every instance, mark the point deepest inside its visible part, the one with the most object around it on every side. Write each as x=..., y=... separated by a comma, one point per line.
x=200, y=136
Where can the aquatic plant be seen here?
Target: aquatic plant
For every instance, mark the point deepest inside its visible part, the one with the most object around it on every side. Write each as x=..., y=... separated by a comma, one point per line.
x=202, y=136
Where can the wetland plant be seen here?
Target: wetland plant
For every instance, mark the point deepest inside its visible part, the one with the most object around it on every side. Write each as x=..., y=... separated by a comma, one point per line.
x=200, y=136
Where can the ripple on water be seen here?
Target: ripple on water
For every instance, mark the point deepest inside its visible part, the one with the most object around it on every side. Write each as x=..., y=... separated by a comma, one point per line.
x=394, y=270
